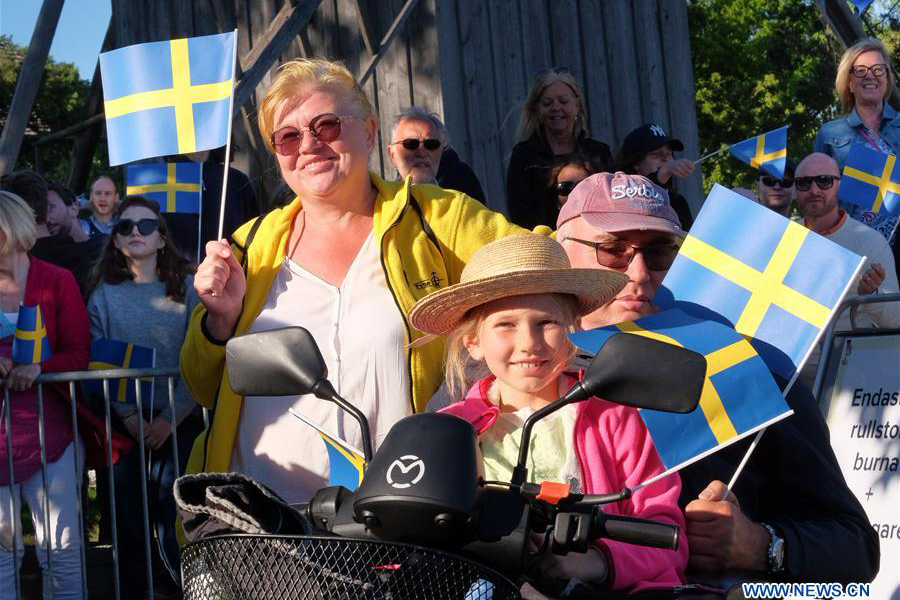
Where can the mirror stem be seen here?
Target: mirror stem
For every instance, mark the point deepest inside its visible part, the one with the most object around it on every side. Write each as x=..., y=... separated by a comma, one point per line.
x=325, y=391
x=520, y=472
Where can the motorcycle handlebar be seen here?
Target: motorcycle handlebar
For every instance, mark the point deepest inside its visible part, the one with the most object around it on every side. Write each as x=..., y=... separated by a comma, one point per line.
x=635, y=531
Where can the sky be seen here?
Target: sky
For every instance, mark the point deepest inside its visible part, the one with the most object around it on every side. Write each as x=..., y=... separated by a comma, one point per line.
x=78, y=36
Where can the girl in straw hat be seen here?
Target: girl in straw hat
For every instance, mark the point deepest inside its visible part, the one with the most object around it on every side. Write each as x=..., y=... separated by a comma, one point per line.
x=517, y=299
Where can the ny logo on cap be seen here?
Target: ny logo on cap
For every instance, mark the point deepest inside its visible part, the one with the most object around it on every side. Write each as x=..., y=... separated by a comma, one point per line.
x=657, y=131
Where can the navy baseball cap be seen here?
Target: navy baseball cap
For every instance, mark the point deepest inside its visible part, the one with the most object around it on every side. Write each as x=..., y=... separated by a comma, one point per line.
x=648, y=138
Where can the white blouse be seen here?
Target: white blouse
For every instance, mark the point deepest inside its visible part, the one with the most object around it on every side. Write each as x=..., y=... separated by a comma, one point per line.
x=361, y=335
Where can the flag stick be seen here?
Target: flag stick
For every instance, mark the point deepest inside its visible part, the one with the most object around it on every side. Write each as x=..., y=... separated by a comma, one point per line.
x=227, y=140
x=744, y=460
x=711, y=154
x=200, y=219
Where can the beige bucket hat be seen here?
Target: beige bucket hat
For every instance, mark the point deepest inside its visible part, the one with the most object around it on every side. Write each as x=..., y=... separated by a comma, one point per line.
x=514, y=266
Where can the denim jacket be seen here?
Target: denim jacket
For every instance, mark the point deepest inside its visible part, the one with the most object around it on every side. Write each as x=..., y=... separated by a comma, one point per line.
x=834, y=138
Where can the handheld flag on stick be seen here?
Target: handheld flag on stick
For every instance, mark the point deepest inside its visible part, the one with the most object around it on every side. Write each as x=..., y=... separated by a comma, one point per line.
x=345, y=463
x=115, y=354
x=176, y=187
x=170, y=97
x=739, y=395
x=30, y=346
x=871, y=180
x=767, y=151
x=762, y=274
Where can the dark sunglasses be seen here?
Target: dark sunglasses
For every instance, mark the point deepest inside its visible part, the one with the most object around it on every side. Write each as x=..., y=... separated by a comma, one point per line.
x=618, y=255
x=770, y=181
x=144, y=226
x=413, y=144
x=325, y=128
x=564, y=188
x=823, y=182
x=860, y=71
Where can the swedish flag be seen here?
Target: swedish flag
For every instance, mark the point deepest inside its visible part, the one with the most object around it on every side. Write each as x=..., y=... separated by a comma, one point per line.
x=171, y=97
x=115, y=354
x=176, y=187
x=30, y=346
x=871, y=180
x=767, y=151
x=762, y=274
x=739, y=395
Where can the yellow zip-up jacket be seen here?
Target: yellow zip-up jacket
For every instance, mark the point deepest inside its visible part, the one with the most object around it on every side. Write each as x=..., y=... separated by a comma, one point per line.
x=426, y=235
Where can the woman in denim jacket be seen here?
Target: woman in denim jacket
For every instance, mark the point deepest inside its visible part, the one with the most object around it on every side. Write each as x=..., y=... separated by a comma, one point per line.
x=864, y=82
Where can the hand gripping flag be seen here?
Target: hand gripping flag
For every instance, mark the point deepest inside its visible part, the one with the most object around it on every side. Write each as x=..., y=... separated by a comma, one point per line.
x=30, y=346
x=767, y=151
x=762, y=274
x=345, y=463
x=871, y=180
x=739, y=395
x=170, y=97
x=176, y=187
x=115, y=354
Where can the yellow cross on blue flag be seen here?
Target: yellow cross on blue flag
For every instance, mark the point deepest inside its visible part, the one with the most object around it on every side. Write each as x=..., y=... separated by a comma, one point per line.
x=767, y=151
x=169, y=97
x=766, y=276
x=871, y=180
x=346, y=464
x=176, y=187
x=31, y=345
x=739, y=395
x=116, y=354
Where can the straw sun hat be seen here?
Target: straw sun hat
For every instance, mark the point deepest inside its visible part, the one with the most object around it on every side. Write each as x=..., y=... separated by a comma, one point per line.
x=514, y=266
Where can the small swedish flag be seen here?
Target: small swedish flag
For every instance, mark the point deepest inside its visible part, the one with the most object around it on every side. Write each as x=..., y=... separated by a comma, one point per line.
x=871, y=180
x=31, y=345
x=767, y=151
x=115, y=354
x=176, y=187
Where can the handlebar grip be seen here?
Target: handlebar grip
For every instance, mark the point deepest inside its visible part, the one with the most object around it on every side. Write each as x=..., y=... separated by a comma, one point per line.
x=635, y=531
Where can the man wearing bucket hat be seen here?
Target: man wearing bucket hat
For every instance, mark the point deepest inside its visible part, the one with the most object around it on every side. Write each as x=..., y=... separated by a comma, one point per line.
x=796, y=520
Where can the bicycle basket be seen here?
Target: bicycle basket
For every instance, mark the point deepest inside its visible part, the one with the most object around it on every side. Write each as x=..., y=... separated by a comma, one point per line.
x=259, y=567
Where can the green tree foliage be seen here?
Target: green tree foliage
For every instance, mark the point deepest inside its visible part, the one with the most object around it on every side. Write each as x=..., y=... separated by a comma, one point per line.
x=60, y=103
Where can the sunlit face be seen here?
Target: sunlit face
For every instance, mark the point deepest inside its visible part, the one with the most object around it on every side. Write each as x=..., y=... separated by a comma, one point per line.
x=322, y=169
x=558, y=108
x=635, y=299
x=523, y=342
x=104, y=197
x=652, y=161
x=59, y=216
x=815, y=203
x=421, y=163
x=870, y=89
x=570, y=173
x=134, y=245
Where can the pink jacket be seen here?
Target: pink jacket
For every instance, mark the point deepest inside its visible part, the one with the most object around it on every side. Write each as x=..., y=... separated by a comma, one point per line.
x=614, y=451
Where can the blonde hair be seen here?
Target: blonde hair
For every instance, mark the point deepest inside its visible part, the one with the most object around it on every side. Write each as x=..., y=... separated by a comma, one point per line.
x=303, y=73
x=529, y=123
x=16, y=224
x=842, y=79
x=461, y=371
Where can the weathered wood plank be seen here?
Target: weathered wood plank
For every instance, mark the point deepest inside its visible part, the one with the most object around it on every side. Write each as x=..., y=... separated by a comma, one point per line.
x=453, y=91
x=322, y=31
x=366, y=25
x=565, y=36
x=596, y=72
x=423, y=54
x=28, y=83
x=680, y=92
x=509, y=68
x=650, y=71
x=395, y=28
x=535, y=40
x=620, y=53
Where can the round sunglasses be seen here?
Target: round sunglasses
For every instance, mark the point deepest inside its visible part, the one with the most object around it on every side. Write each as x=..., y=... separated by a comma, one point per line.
x=412, y=144
x=325, y=128
x=823, y=182
x=144, y=226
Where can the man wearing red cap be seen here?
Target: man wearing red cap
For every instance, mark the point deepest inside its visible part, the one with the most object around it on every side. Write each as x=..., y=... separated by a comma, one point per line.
x=796, y=519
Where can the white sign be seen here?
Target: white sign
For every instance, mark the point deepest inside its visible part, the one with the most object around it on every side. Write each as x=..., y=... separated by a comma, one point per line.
x=864, y=419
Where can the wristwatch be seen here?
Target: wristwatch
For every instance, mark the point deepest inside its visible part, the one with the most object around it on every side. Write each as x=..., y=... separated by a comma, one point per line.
x=776, y=550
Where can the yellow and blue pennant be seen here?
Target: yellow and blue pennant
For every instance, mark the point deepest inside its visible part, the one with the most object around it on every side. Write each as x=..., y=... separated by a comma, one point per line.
x=171, y=97
x=176, y=187
x=769, y=278
x=116, y=354
x=345, y=465
x=739, y=395
x=871, y=180
x=30, y=345
x=767, y=151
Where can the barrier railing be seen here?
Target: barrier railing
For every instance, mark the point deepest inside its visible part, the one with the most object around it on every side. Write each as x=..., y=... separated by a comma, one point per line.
x=133, y=377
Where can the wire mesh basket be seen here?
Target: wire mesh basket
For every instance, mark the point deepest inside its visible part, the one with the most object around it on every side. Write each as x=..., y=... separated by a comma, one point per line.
x=257, y=567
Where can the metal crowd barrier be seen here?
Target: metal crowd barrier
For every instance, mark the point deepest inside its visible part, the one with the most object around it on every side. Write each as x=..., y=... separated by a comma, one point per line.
x=133, y=375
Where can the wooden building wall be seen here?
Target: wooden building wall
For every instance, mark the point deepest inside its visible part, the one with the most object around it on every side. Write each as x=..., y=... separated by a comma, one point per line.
x=470, y=61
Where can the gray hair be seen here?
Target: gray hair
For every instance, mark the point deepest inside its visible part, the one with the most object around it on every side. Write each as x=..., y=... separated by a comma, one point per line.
x=417, y=113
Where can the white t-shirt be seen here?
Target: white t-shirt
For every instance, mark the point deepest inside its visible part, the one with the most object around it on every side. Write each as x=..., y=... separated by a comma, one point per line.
x=362, y=337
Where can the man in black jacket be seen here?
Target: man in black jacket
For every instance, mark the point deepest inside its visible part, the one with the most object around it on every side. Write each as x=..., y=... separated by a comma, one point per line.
x=790, y=516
